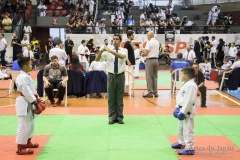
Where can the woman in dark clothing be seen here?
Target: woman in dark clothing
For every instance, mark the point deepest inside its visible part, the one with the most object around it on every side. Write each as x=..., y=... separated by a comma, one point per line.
x=220, y=52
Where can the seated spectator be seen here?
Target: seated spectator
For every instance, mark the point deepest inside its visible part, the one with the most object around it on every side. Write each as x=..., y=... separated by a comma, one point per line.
x=55, y=77
x=70, y=25
x=42, y=9
x=115, y=26
x=7, y=24
x=235, y=65
x=3, y=74
x=205, y=68
x=165, y=55
x=76, y=65
x=130, y=22
x=98, y=66
x=178, y=63
x=226, y=64
x=161, y=26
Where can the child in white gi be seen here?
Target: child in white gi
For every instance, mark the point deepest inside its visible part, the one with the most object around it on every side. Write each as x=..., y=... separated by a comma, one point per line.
x=205, y=68
x=185, y=112
x=137, y=60
x=24, y=108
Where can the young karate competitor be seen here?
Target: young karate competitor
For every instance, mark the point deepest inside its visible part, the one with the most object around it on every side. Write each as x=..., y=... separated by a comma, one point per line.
x=185, y=112
x=27, y=105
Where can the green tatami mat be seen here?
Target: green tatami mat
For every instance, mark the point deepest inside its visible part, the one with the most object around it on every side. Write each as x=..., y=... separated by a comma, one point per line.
x=144, y=137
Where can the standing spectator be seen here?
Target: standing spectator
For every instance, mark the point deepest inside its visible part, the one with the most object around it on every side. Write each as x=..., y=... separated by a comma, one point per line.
x=42, y=9
x=116, y=64
x=7, y=24
x=48, y=46
x=213, y=51
x=189, y=55
x=232, y=50
x=59, y=52
x=137, y=60
x=131, y=59
x=55, y=77
x=102, y=28
x=16, y=46
x=151, y=53
x=27, y=30
x=219, y=51
x=68, y=47
x=214, y=10
x=83, y=53
x=185, y=112
x=91, y=6
x=24, y=43
x=197, y=51
x=200, y=81
x=3, y=46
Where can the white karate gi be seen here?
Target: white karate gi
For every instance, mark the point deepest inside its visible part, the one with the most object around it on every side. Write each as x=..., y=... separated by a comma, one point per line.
x=186, y=98
x=137, y=62
x=82, y=51
x=24, y=109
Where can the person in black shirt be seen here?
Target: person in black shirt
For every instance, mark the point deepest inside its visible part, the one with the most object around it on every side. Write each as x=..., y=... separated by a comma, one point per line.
x=16, y=44
x=220, y=53
x=68, y=47
x=200, y=81
x=48, y=46
x=131, y=58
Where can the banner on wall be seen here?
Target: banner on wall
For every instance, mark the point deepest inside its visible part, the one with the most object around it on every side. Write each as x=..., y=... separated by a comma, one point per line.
x=181, y=41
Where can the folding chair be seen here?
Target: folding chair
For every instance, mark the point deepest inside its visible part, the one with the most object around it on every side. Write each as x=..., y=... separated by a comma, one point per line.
x=55, y=90
x=131, y=83
x=175, y=78
x=13, y=80
x=224, y=77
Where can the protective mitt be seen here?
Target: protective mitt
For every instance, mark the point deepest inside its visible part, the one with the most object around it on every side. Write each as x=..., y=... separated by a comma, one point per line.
x=176, y=111
x=180, y=116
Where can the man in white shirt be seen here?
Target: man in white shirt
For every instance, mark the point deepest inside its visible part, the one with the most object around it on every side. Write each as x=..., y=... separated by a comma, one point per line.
x=83, y=54
x=151, y=52
x=3, y=46
x=233, y=50
x=24, y=43
x=143, y=16
x=91, y=6
x=213, y=51
x=189, y=55
x=59, y=52
x=27, y=30
x=116, y=64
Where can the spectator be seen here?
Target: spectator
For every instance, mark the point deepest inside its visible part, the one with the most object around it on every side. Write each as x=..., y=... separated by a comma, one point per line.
x=42, y=9
x=102, y=28
x=16, y=46
x=24, y=43
x=7, y=23
x=59, y=52
x=137, y=60
x=55, y=77
x=69, y=44
x=3, y=46
x=189, y=55
x=200, y=81
x=76, y=65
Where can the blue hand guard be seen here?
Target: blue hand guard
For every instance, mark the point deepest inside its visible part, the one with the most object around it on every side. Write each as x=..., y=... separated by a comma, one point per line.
x=180, y=116
x=176, y=111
